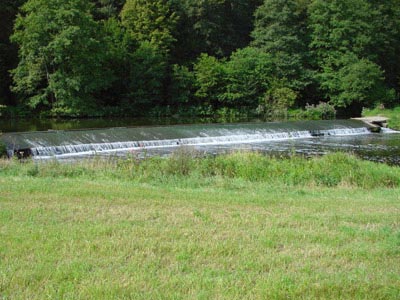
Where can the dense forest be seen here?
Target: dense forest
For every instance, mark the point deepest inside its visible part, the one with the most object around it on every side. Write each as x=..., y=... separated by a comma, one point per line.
x=80, y=58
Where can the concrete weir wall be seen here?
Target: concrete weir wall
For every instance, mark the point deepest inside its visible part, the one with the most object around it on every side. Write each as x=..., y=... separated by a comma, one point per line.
x=72, y=142
x=374, y=123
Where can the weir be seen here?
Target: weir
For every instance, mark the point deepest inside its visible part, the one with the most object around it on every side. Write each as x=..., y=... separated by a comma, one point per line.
x=48, y=144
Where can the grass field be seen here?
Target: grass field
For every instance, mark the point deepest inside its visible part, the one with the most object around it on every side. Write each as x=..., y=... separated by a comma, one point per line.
x=67, y=232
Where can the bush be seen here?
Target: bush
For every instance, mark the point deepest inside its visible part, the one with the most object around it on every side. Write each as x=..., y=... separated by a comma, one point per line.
x=210, y=76
x=239, y=82
x=226, y=115
x=181, y=87
x=277, y=101
x=321, y=111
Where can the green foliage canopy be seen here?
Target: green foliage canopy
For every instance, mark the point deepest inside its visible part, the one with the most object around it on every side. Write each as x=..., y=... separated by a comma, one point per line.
x=8, y=51
x=351, y=80
x=280, y=29
x=60, y=56
x=341, y=41
x=97, y=57
x=214, y=27
x=150, y=21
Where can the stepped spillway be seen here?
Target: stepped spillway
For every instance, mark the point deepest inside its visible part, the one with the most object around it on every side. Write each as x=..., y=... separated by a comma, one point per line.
x=47, y=144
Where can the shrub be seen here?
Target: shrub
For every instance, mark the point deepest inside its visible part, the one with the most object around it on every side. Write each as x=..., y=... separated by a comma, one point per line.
x=277, y=101
x=226, y=114
x=321, y=111
x=181, y=87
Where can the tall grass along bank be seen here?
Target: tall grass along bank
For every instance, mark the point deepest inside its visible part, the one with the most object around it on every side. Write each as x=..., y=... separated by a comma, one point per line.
x=186, y=165
x=240, y=226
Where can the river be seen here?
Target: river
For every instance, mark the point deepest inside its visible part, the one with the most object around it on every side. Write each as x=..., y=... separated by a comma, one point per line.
x=71, y=139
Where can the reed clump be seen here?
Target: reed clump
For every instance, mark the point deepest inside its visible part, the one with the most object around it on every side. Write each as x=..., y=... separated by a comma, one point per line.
x=336, y=169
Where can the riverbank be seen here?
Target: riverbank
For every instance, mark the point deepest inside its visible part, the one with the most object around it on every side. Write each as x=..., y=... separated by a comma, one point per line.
x=392, y=114
x=188, y=167
x=234, y=227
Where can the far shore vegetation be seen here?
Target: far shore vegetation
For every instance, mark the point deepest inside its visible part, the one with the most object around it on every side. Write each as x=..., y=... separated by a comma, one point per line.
x=97, y=58
x=235, y=226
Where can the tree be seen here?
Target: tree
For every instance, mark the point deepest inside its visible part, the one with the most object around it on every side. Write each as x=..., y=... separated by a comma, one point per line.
x=240, y=82
x=280, y=30
x=341, y=26
x=385, y=39
x=105, y=9
x=350, y=80
x=150, y=21
x=180, y=89
x=342, y=42
x=248, y=76
x=118, y=63
x=8, y=51
x=215, y=27
x=210, y=75
x=146, y=79
x=60, y=55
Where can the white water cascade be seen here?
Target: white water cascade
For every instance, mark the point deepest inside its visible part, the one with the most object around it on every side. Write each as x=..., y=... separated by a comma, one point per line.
x=240, y=137
x=83, y=143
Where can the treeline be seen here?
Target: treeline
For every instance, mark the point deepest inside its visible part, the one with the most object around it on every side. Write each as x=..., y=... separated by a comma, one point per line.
x=142, y=57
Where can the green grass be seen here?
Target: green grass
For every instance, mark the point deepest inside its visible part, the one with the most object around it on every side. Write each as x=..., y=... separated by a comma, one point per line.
x=392, y=114
x=188, y=168
x=191, y=228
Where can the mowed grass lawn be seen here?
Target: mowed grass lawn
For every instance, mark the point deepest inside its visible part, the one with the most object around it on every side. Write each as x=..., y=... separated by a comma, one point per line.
x=104, y=238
